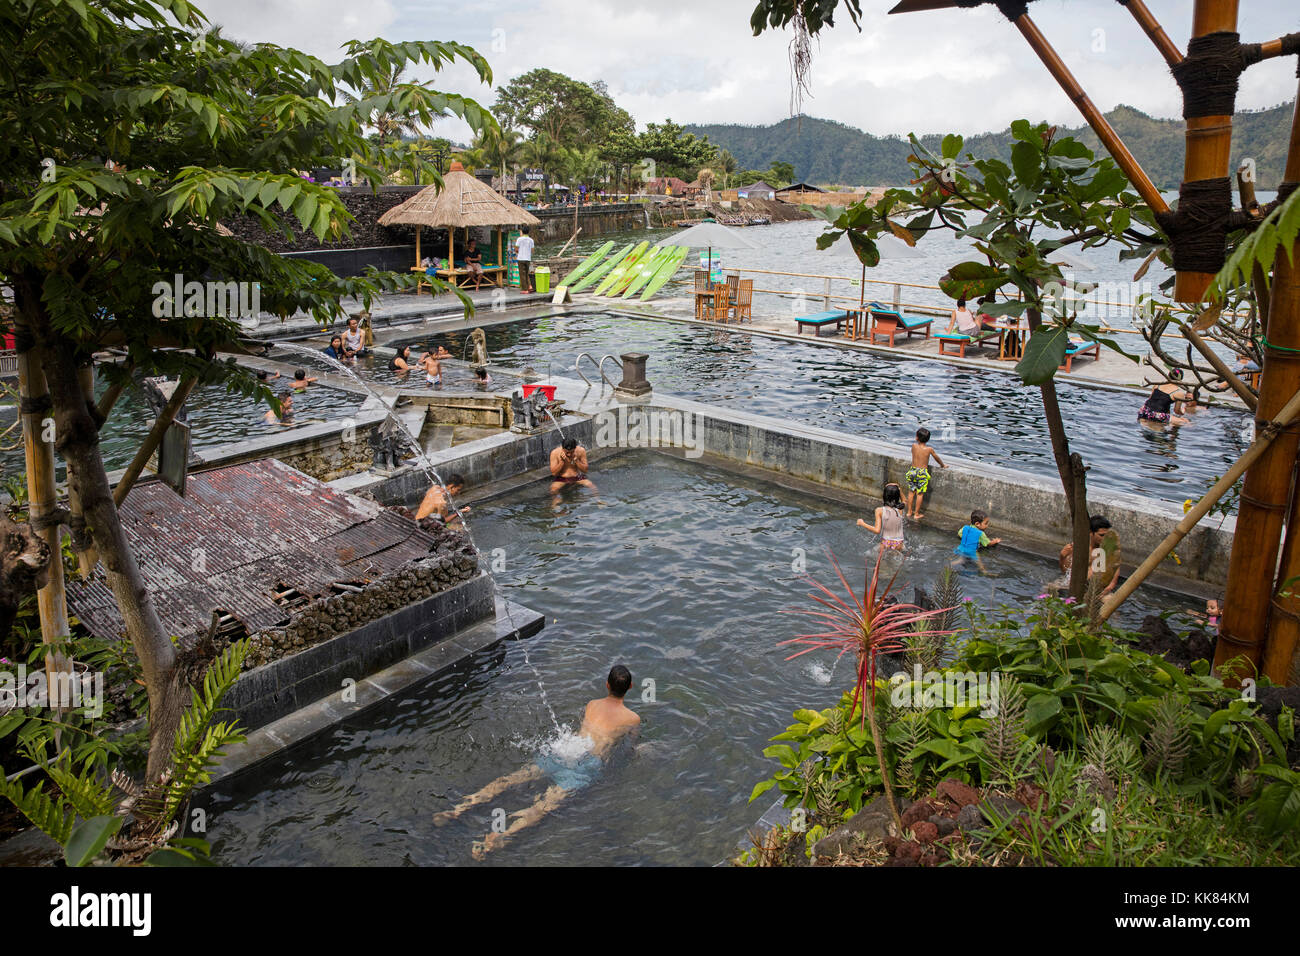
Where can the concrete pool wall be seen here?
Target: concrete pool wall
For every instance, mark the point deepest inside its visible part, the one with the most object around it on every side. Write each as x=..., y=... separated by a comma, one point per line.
x=1029, y=512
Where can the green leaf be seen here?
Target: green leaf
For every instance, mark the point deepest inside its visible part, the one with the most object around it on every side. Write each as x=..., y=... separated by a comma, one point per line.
x=971, y=280
x=865, y=249
x=1024, y=160
x=760, y=789
x=88, y=839
x=1043, y=355
x=1041, y=711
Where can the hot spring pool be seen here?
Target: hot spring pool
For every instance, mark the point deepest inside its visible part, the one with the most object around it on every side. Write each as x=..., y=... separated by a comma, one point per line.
x=216, y=417
x=678, y=569
x=983, y=414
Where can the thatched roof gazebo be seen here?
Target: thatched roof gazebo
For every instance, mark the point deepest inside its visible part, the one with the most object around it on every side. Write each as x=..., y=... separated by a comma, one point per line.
x=463, y=202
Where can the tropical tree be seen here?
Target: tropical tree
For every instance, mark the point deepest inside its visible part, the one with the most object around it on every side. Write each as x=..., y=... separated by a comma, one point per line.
x=727, y=165
x=566, y=110
x=195, y=132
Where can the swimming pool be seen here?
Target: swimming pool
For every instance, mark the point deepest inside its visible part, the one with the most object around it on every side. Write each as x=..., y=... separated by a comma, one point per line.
x=975, y=413
x=216, y=417
x=680, y=570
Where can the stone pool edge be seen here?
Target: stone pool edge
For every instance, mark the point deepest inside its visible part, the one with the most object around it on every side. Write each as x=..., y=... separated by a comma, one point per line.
x=269, y=742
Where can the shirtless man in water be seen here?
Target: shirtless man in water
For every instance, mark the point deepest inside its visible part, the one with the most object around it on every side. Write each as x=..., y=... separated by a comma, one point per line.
x=569, y=466
x=431, y=362
x=606, y=721
x=437, y=501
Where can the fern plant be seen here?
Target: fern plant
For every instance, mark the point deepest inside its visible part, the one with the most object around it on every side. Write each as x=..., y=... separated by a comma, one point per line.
x=80, y=817
x=1169, y=740
x=1008, y=750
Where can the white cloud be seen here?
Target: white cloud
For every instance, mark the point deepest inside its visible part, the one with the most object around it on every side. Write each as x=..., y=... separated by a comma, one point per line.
x=962, y=70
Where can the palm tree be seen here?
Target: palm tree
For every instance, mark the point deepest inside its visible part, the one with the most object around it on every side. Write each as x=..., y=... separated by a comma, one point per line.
x=501, y=148
x=542, y=152
x=727, y=165
x=389, y=124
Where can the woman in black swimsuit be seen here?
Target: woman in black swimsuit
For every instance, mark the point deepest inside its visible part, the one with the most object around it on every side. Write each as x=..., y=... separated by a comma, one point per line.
x=1157, y=407
x=401, y=362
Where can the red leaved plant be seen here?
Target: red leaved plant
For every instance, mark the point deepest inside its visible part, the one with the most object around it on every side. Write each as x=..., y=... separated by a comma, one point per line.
x=868, y=626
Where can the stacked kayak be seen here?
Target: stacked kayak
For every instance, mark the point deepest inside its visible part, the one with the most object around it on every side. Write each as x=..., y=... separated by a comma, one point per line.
x=634, y=269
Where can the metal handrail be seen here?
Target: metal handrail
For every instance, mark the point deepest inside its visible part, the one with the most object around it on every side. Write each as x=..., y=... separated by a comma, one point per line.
x=578, y=361
x=617, y=364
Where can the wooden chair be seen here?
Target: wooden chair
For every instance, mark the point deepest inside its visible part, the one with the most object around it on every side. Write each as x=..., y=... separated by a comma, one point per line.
x=703, y=290
x=733, y=286
x=717, y=308
x=743, y=303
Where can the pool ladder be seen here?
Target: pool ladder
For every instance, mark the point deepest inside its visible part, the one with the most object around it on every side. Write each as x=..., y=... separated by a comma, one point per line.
x=600, y=367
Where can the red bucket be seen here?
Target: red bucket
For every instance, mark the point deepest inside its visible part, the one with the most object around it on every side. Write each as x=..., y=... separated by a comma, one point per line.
x=547, y=390
x=9, y=343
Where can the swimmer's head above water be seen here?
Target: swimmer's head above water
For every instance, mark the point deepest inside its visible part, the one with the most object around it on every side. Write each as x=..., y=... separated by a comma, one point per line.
x=618, y=681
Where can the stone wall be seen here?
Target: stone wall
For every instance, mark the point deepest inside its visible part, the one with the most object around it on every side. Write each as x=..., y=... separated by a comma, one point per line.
x=329, y=461
x=364, y=205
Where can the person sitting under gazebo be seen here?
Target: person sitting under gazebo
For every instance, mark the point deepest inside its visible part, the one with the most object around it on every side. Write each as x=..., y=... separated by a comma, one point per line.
x=474, y=263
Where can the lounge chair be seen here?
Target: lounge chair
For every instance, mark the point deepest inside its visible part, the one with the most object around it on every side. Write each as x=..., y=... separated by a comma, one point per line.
x=956, y=343
x=887, y=323
x=819, y=319
x=1080, y=347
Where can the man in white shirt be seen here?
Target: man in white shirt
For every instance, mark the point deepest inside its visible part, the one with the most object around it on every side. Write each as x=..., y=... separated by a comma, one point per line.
x=354, y=342
x=524, y=254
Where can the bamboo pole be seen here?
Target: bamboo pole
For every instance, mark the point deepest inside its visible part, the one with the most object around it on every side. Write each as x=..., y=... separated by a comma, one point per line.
x=1268, y=496
x=1264, y=437
x=42, y=507
x=153, y=439
x=86, y=557
x=1152, y=28
x=1237, y=385
x=1209, y=138
x=1105, y=132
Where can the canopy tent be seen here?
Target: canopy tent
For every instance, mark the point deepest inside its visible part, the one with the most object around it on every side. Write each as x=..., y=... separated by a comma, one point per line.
x=463, y=202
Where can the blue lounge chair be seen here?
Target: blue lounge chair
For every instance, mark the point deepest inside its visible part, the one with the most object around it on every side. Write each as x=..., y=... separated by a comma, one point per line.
x=886, y=323
x=1080, y=347
x=819, y=319
x=955, y=343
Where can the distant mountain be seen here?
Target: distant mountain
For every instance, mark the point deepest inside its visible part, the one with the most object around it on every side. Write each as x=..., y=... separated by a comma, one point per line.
x=824, y=151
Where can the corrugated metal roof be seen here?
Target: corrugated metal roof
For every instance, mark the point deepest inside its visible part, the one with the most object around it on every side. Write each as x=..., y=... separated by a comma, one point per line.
x=241, y=534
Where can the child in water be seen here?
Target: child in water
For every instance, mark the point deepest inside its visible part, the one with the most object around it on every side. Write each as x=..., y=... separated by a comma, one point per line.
x=973, y=537
x=890, y=519
x=918, y=476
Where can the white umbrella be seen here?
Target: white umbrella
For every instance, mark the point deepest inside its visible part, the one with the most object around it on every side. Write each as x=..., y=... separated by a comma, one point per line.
x=1062, y=258
x=707, y=235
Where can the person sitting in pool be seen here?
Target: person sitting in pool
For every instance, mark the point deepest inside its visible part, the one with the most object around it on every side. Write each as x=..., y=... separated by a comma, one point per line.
x=286, y=410
x=335, y=350
x=890, y=519
x=300, y=380
x=605, y=722
x=1157, y=407
x=569, y=466
x=437, y=500
x=402, y=361
x=354, y=340
x=1098, y=526
x=263, y=376
x=481, y=375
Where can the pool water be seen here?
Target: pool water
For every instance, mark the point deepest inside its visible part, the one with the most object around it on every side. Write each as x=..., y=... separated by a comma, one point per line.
x=215, y=416
x=980, y=414
x=678, y=569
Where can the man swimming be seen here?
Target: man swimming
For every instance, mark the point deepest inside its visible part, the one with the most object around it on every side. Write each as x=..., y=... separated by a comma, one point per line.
x=604, y=723
x=569, y=466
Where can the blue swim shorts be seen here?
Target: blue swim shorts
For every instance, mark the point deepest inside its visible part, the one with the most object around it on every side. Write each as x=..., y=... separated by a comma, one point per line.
x=570, y=775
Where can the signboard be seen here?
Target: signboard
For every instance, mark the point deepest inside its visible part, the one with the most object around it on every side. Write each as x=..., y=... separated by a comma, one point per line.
x=534, y=175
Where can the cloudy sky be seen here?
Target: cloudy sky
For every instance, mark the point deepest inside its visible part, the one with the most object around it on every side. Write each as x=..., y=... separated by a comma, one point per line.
x=697, y=61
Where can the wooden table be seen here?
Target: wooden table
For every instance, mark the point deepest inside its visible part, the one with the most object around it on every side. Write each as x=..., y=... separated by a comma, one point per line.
x=859, y=323
x=1011, y=344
